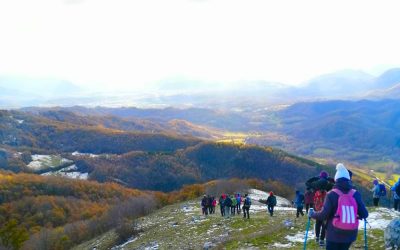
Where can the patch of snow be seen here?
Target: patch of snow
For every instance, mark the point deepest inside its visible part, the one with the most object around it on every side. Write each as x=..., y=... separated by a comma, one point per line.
x=380, y=218
x=19, y=121
x=45, y=161
x=153, y=246
x=257, y=195
x=66, y=172
x=299, y=237
x=41, y=157
x=188, y=209
x=35, y=165
x=76, y=153
x=64, y=160
x=280, y=245
x=77, y=175
x=121, y=247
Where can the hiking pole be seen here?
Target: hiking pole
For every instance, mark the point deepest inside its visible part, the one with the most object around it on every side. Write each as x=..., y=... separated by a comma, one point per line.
x=307, y=228
x=365, y=235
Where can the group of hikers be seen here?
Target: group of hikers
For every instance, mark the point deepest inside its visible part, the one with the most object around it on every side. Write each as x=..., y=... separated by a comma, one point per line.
x=337, y=207
x=379, y=191
x=229, y=205
x=333, y=202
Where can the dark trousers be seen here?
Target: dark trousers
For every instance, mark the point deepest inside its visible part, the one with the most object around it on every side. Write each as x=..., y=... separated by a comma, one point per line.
x=233, y=210
x=210, y=209
x=376, y=201
x=299, y=211
x=337, y=246
x=246, y=210
x=271, y=210
x=308, y=206
x=397, y=204
x=205, y=210
x=320, y=229
x=222, y=210
x=238, y=208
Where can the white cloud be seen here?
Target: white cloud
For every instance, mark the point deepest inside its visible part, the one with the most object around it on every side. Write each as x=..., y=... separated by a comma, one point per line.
x=134, y=42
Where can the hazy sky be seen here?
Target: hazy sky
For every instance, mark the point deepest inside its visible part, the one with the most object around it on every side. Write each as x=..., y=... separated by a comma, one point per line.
x=134, y=42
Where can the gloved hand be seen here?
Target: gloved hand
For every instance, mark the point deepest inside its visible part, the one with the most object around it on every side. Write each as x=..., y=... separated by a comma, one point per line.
x=311, y=212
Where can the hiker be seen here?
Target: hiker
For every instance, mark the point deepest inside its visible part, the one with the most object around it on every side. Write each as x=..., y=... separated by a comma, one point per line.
x=228, y=204
x=246, y=206
x=234, y=203
x=320, y=225
x=271, y=203
x=323, y=181
x=221, y=202
x=322, y=185
x=396, y=195
x=204, y=207
x=238, y=202
x=214, y=204
x=209, y=204
x=376, y=193
x=298, y=202
x=342, y=225
x=309, y=199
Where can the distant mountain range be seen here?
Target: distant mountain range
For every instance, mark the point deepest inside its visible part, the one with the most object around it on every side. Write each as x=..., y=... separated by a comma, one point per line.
x=345, y=84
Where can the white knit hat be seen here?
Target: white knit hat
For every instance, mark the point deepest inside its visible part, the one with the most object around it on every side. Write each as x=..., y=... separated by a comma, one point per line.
x=341, y=172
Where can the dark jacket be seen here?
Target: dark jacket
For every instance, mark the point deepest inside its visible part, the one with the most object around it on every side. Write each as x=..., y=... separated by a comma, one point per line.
x=221, y=202
x=209, y=201
x=271, y=200
x=228, y=202
x=204, y=202
x=309, y=197
x=329, y=209
x=318, y=183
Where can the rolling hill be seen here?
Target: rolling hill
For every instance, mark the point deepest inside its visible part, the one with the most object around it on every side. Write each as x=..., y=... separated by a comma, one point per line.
x=24, y=130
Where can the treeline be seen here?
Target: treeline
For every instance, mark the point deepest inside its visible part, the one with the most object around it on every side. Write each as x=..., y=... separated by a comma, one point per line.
x=30, y=204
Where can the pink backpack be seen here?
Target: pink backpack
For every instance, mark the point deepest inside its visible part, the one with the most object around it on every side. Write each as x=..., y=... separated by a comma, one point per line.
x=346, y=214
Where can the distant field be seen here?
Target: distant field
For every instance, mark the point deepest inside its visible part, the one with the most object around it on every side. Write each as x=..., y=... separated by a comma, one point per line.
x=233, y=137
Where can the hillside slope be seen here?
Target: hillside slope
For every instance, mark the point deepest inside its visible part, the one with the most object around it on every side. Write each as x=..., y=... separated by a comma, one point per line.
x=71, y=211
x=182, y=226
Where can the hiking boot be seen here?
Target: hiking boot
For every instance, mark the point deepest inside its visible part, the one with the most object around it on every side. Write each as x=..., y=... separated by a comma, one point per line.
x=321, y=243
x=317, y=239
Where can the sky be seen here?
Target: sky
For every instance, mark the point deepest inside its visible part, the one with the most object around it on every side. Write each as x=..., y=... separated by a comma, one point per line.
x=129, y=44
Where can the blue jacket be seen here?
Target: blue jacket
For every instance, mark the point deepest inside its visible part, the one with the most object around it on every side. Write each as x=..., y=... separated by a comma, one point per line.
x=299, y=200
x=329, y=209
x=376, y=191
x=395, y=196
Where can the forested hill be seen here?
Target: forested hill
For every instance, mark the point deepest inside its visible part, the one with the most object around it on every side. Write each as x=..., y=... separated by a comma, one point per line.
x=19, y=129
x=203, y=162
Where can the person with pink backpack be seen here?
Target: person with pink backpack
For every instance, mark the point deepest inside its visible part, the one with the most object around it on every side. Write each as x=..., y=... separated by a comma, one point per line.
x=342, y=209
